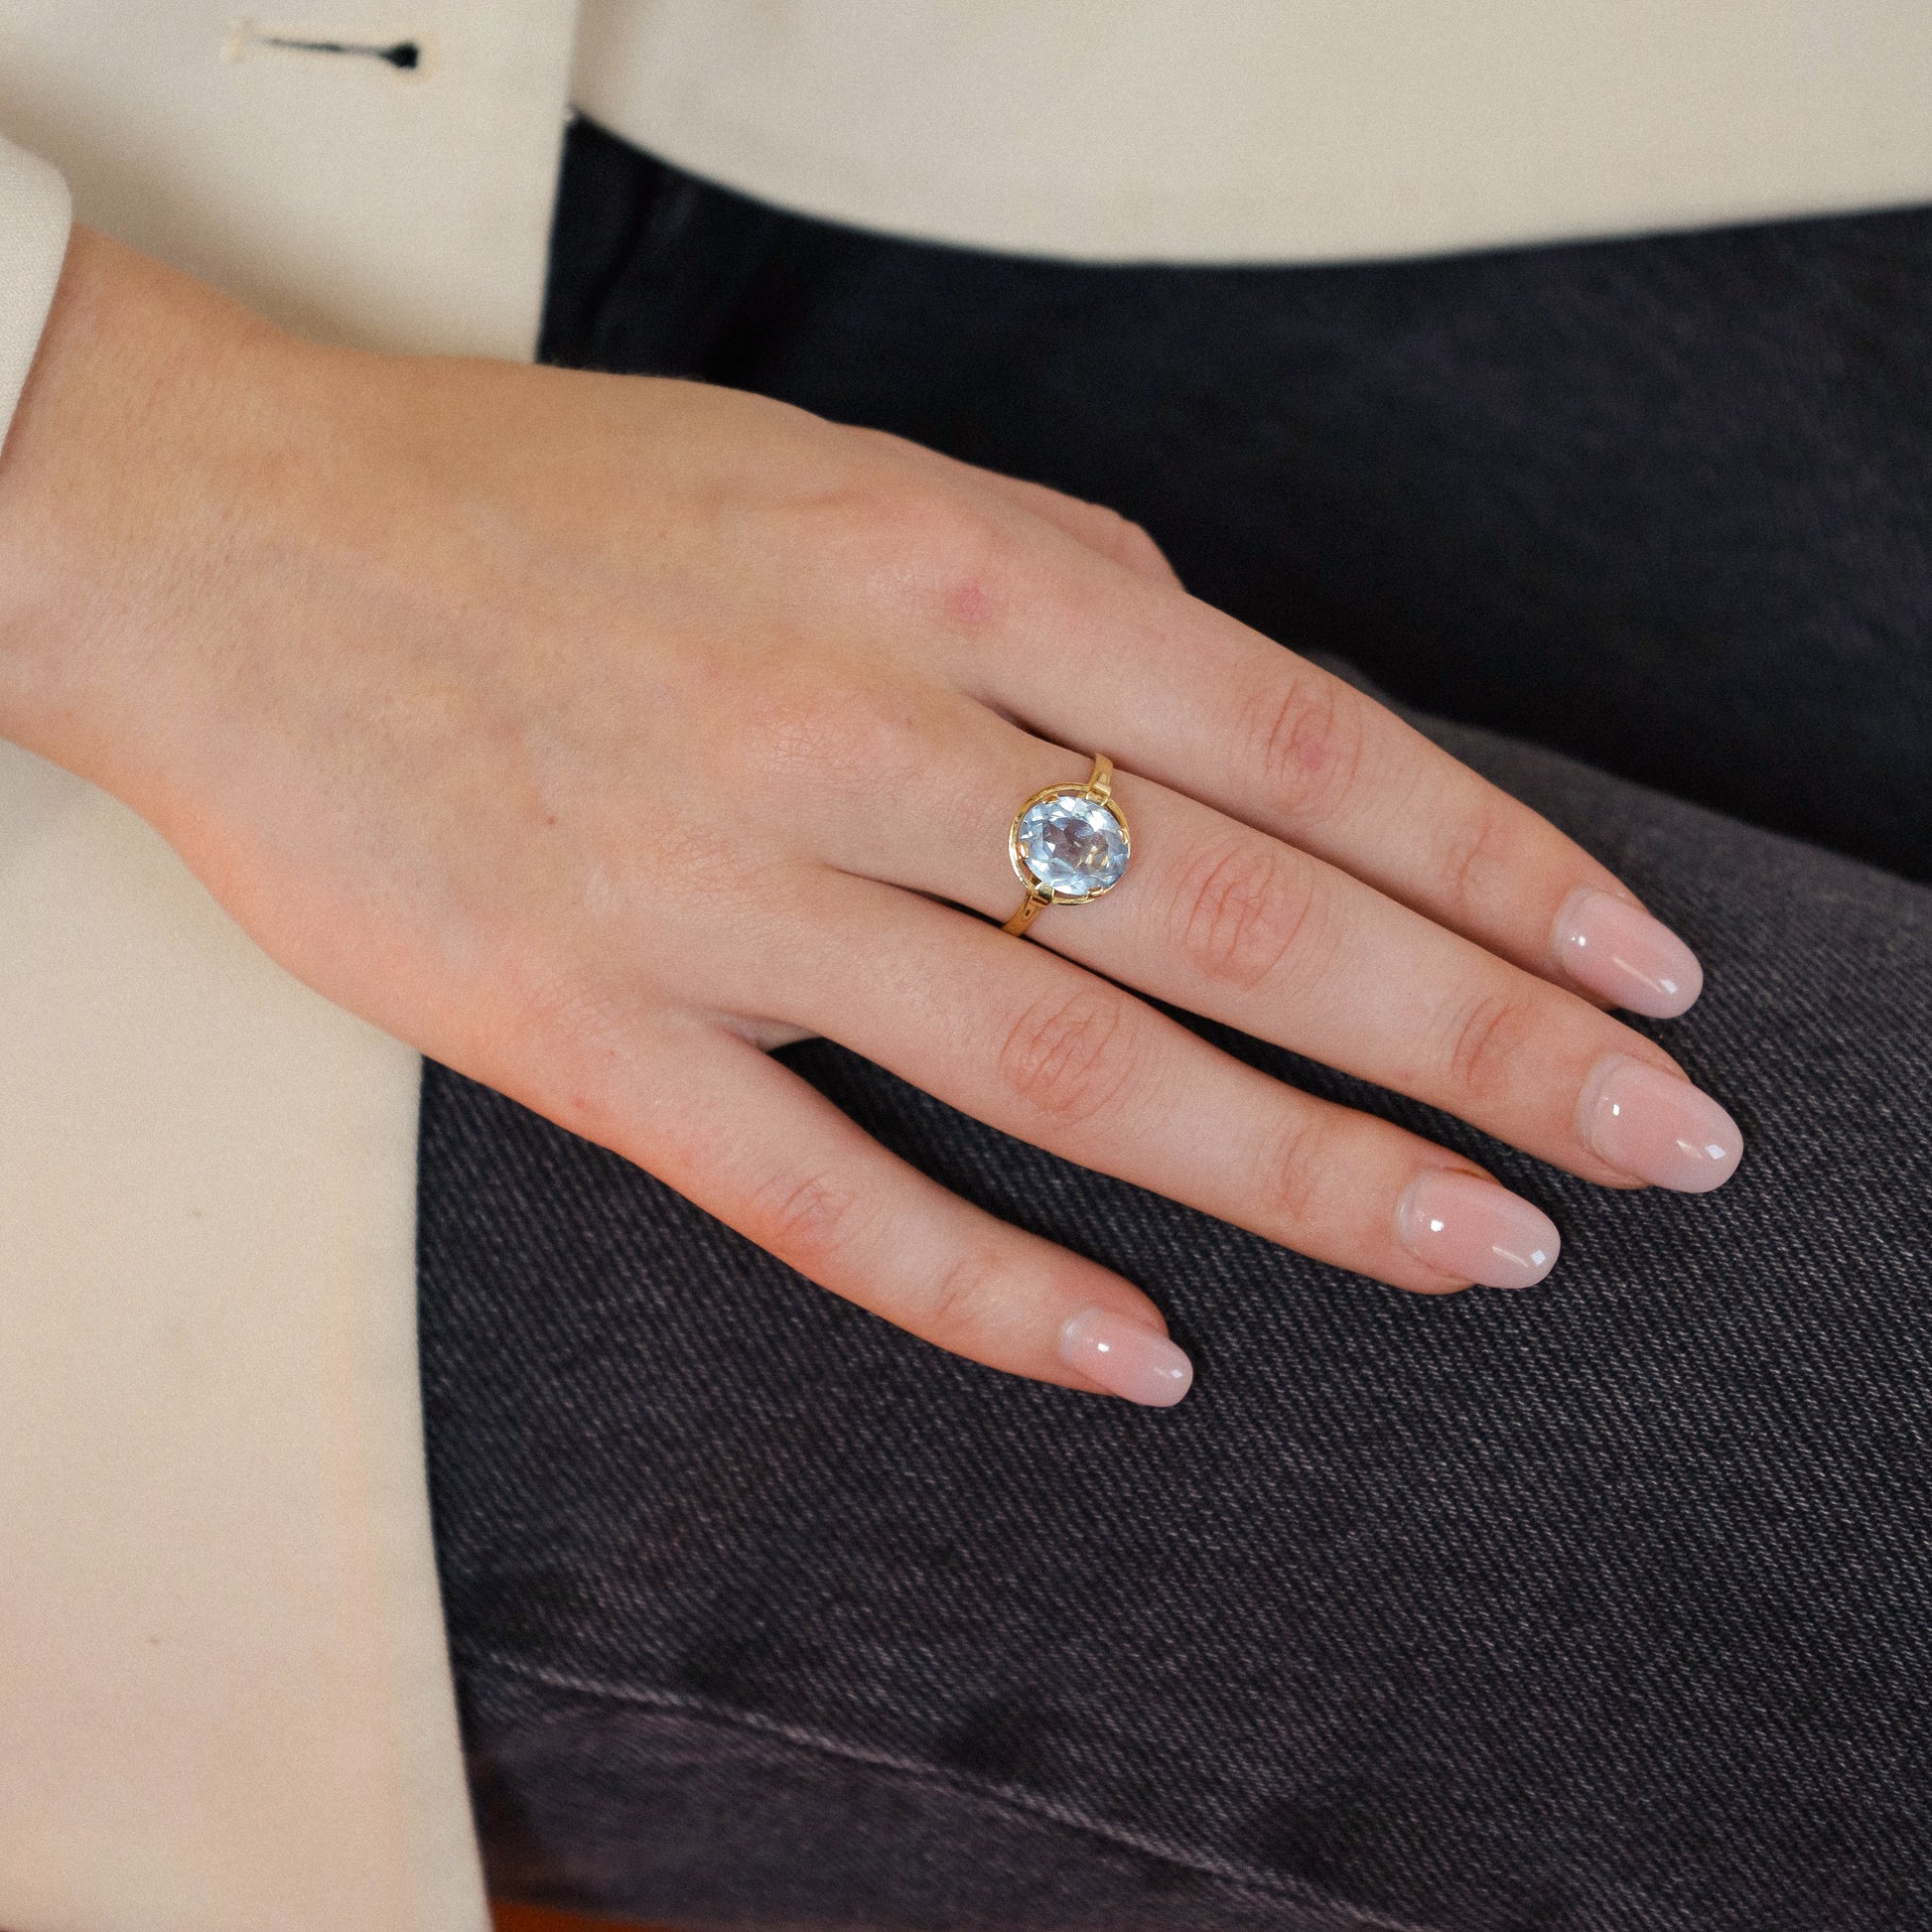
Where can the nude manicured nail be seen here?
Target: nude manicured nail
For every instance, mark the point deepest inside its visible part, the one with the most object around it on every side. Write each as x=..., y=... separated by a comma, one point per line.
x=1618, y=950
x=1471, y=1228
x=1661, y=1129
x=1125, y=1358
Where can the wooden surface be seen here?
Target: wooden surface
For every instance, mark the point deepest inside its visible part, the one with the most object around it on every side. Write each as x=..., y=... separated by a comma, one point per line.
x=528, y=1919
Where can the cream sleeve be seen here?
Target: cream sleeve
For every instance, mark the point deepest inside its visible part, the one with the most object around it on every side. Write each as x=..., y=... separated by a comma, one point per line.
x=36, y=214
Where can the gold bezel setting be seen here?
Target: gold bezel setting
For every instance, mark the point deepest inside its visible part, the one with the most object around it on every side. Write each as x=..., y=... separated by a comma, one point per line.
x=1098, y=790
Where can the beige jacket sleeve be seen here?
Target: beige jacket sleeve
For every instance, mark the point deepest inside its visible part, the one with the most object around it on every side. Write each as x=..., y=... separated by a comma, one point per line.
x=36, y=211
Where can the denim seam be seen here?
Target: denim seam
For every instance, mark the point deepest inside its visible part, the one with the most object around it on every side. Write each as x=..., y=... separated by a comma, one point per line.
x=1239, y=1877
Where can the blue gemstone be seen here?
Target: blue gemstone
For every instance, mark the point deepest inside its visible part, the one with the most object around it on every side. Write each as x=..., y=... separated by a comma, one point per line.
x=1073, y=844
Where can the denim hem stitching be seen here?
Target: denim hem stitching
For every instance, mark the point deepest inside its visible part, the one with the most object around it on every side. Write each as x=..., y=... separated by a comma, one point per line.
x=1241, y=1878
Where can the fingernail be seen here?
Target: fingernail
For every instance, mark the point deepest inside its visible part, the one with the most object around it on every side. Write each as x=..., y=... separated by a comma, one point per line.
x=1660, y=1128
x=1471, y=1228
x=1618, y=950
x=1125, y=1359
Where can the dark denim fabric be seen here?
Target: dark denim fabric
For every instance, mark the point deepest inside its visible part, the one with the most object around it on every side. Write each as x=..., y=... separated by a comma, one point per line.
x=1604, y=1608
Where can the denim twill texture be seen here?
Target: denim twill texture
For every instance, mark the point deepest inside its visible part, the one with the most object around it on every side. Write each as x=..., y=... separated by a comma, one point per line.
x=1604, y=1607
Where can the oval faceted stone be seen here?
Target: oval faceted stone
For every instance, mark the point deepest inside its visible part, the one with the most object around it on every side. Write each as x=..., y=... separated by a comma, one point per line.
x=1073, y=844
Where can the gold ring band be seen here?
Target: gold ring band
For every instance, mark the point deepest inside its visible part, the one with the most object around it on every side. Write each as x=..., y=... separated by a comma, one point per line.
x=1068, y=844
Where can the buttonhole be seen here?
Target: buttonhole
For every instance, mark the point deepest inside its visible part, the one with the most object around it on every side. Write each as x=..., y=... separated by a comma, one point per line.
x=406, y=54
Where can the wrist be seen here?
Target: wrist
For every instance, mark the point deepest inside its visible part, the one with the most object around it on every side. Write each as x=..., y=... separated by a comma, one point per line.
x=127, y=454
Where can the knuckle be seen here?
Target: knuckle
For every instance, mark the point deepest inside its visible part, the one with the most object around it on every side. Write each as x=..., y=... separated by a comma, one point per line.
x=1488, y=1040
x=1290, y=1182
x=809, y=1219
x=921, y=554
x=567, y=1041
x=1240, y=908
x=1307, y=744
x=1125, y=541
x=964, y=1299
x=909, y=519
x=886, y=444
x=1477, y=857
x=1139, y=551
x=1067, y=1058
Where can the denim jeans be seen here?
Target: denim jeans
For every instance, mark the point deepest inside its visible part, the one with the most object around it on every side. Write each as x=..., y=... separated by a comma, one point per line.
x=1606, y=1607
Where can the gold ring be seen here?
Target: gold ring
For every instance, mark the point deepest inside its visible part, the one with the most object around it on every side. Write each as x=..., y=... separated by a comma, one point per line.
x=1068, y=844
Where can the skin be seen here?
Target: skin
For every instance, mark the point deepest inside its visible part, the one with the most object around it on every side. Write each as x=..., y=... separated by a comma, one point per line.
x=554, y=722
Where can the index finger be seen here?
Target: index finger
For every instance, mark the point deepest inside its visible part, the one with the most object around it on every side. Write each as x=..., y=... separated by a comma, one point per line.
x=1180, y=692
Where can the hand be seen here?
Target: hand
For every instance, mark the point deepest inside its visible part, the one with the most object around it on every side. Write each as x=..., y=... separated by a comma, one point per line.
x=596, y=735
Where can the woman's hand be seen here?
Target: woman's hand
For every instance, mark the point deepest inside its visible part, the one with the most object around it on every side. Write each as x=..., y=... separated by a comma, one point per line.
x=596, y=735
